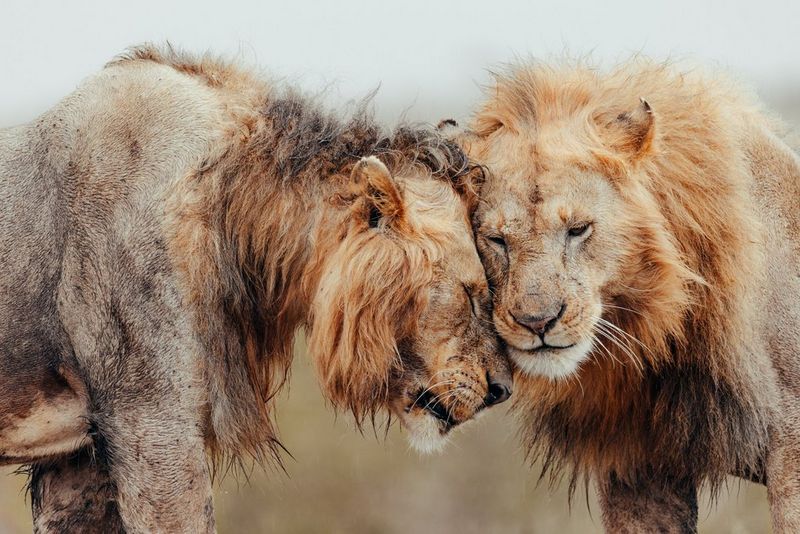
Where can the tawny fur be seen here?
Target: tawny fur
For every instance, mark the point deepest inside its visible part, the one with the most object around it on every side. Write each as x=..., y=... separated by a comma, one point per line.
x=702, y=275
x=207, y=215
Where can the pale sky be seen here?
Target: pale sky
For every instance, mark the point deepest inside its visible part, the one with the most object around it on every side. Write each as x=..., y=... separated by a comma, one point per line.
x=429, y=57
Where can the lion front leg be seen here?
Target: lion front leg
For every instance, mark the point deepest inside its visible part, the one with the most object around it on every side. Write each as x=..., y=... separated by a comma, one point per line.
x=654, y=505
x=74, y=494
x=148, y=408
x=783, y=477
x=157, y=463
x=146, y=488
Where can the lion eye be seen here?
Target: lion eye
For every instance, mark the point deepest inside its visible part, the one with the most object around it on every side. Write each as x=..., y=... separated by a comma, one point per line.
x=579, y=230
x=498, y=241
x=471, y=300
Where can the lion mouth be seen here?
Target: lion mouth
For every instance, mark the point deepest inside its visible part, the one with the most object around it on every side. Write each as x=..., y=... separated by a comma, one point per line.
x=544, y=347
x=428, y=402
x=553, y=361
x=539, y=349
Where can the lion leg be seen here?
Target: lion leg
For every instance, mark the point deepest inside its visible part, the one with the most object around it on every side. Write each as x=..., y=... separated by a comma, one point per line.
x=82, y=494
x=148, y=414
x=144, y=487
x=783, y=480
x=648, y=506
x=157, y=462
x=74, y=494
x=143, y=367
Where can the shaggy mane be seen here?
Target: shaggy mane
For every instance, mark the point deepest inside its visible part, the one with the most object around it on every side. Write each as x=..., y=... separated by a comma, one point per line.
x=254, y=228
x=689, y=397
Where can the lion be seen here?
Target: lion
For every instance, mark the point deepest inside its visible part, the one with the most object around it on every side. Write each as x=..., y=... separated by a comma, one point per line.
x=166, y=230
x=640, y=231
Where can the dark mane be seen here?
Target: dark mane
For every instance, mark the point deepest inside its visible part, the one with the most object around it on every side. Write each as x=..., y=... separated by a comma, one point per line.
x=304, y=139
x=261, y=199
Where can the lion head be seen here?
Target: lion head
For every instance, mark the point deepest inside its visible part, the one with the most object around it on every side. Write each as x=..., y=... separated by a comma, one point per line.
x=570, y=228
x=400, y=317
x=304, y=218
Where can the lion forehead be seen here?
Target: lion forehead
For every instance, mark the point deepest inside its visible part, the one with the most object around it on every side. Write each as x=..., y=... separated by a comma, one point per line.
x=548, y=202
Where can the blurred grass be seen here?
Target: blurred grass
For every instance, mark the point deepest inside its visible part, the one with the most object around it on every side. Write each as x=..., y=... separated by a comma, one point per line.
x=340, y=481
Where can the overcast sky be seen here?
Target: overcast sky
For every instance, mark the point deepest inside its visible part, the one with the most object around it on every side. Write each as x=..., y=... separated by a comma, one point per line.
x=428, y=56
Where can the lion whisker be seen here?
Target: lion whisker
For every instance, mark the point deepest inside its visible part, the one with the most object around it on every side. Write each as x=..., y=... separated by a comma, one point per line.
x=447, y=395
x=622, y=308
x=624, y=333
x=636, y=289
x=429, y=389
x=602, y=327
x=611, y=336
x=614, y=359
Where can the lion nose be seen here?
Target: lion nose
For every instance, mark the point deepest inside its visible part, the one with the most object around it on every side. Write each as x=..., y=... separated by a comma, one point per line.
x=499, y=389
x=540, y=324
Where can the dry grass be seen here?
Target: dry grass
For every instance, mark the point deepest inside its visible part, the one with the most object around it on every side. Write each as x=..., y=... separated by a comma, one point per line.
x=340, y=481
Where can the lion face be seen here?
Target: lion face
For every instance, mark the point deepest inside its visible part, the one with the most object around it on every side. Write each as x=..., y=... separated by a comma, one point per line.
x=452, y=363
x=572, y=226
x=410, y=330
x=553, y=237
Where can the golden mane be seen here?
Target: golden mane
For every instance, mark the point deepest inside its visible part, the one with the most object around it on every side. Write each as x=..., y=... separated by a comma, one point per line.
x=690, y=392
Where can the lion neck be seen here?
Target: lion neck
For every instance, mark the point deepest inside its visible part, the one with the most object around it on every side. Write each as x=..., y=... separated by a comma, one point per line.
x=245, y=232
x=282, y=216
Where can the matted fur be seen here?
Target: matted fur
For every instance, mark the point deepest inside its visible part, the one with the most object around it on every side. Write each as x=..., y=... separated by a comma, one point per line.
x=288, y=152
x=696, y=396
x=206, y=216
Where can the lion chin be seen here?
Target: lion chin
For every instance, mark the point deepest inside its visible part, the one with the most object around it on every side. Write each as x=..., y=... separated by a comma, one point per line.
x=555, y=364
x=426, y=433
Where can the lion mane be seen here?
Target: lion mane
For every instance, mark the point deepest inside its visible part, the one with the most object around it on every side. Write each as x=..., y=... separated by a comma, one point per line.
x=208, y=216
x=691, y=403
x=247, y=301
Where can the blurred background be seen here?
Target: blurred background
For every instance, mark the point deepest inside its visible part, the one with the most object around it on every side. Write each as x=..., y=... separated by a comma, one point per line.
x=430, y=61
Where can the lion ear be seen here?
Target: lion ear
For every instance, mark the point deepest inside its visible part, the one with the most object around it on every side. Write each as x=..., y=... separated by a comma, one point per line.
x=455, y=134
x=445, y=126
x=631, y=132
x=372, y=180
x=486, y=124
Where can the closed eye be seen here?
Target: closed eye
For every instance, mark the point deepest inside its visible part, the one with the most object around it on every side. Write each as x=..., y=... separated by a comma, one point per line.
x=497, y=241
x=471, y=300
x=580, y=230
